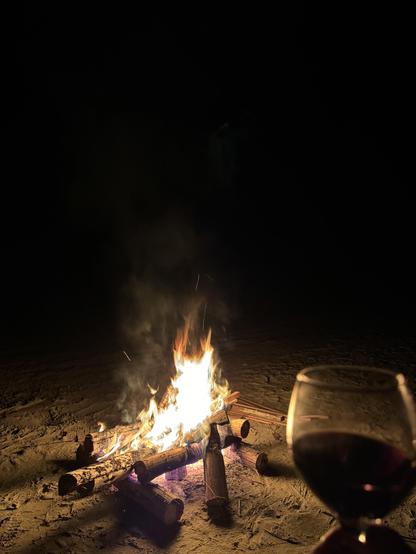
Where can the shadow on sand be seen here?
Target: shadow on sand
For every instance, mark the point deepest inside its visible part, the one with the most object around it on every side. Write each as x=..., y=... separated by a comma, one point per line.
x=124, y=520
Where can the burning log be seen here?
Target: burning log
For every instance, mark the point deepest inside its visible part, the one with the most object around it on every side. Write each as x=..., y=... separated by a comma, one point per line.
x=219, y=418
x=97, y=444
x=108, y=470
x=105, y=438
x=216, y=493
x=152, y=497
x=102, y=441
x=162, y=462
x=164, y=401
x=248, y=456
x=203, y=430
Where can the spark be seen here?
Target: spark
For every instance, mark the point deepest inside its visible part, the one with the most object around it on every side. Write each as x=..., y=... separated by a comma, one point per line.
x=203, y=319
x=362, y=538
x=127, y=356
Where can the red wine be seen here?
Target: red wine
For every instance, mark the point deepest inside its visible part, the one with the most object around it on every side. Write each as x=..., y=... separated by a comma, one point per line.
x=354, y=475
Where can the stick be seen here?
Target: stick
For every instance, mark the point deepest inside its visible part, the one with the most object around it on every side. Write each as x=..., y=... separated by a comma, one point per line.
x=111, y=468
x=231, y=398
x=157, y=464
x=216, y=493
x=160, y=503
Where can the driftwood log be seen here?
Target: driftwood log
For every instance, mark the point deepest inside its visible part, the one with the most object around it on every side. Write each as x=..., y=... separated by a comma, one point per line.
x=108, y=470
x=153, y=498
x=148, y=468
x=239, y=428
x=104, y=439
x=216, y=492
x=247, y=456
x=256, y=412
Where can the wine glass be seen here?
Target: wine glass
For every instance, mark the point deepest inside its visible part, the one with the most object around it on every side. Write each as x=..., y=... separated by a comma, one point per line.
x=352, y=432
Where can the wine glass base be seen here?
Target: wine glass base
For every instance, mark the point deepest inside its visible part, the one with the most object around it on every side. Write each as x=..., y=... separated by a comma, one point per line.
x=377, y=539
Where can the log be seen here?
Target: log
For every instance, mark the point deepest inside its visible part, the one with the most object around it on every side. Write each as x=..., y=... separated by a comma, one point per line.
x=108, y=435
x=84, y=453
x=248, y=456
x=108, y=470
x=151, y=467
x=240, y=428
x=104, y=440
x=153, y=498
x=100, y=443
x=232, y=434
x=263, y=414
x=216, y=492
x=219, y=418
x=256, y=413
x=204, y=428
x=198, y=434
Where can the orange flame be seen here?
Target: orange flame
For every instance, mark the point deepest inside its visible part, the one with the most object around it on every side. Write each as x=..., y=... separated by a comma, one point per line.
x=196, y=392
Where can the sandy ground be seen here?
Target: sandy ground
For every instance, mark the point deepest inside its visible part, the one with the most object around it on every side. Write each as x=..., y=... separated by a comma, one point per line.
x=46, y=401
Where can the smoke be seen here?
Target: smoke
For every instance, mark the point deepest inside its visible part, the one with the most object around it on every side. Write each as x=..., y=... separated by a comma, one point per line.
x=169, y=284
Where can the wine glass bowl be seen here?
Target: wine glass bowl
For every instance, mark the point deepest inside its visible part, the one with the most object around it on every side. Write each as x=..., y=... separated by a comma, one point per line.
x=352, y=433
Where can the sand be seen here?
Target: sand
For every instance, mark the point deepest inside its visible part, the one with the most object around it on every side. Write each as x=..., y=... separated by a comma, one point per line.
x=47, y=401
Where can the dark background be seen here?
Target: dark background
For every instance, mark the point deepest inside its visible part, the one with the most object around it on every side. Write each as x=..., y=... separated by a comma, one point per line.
x=268, y=152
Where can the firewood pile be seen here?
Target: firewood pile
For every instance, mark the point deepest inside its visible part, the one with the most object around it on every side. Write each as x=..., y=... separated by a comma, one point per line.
x=132, y=471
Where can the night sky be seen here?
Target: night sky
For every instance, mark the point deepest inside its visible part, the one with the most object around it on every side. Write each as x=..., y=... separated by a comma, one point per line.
x=268, y=152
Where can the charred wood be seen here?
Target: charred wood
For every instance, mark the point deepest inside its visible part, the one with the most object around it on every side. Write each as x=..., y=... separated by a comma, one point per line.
x=216, y=492
x=148, y=468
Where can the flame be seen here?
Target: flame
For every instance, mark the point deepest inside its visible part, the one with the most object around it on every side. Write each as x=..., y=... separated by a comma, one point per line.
x=117, y=443
x=195, y=393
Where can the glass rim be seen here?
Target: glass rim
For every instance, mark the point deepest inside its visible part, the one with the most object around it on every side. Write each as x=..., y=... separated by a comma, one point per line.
x=397, y=379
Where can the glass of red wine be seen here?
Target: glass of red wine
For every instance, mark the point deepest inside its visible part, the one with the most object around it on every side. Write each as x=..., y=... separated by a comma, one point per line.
x=352, y=432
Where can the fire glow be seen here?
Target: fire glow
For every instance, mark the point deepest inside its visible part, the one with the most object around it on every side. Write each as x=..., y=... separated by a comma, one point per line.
x=195, y=393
